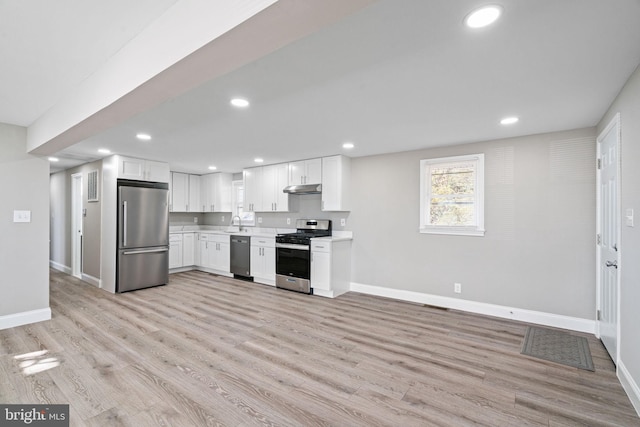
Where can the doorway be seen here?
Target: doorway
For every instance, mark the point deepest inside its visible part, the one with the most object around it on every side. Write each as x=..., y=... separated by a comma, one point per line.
x=608, y=237
x=76, y=225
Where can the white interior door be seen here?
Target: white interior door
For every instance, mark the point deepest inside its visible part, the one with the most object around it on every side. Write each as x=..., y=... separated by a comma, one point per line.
x=608, y=236
x=76, y=224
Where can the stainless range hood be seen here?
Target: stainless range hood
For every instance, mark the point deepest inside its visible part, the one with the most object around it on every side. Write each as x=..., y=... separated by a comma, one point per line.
x=303, y=189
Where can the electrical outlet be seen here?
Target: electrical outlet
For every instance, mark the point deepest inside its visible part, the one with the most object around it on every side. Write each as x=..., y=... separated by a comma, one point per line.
x=195, y=219
x=457, y=288
x=343, y=222
x=288, y=221
x=259, y=220
x=222, y=220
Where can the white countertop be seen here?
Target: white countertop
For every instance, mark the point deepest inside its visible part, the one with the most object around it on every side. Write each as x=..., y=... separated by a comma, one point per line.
x=252, y=231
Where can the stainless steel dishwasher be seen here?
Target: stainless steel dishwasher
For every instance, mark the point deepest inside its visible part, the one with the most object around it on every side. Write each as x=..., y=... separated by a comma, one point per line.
x=241, y=257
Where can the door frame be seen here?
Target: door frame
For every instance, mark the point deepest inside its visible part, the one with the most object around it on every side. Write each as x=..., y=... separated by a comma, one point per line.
x=76, y=224
x=615, y=122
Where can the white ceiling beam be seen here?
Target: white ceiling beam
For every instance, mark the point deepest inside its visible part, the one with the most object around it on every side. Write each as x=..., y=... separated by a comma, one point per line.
x=195, y=41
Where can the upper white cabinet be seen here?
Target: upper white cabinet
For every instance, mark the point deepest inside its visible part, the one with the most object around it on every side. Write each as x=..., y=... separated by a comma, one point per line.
x=142, y=170
x=215, y=192
x=305, y=172
x=263, y=188
x=336, y=180
x=252, y=189
x=275, y=179
x=185, y=192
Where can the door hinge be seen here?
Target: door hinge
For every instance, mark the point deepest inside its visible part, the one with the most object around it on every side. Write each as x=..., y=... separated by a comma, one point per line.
x=599, y=238
x=598, y=315
x=599, y=163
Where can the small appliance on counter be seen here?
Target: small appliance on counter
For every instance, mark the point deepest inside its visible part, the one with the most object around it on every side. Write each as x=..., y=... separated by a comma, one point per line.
x=143, y=235
x=293, y=254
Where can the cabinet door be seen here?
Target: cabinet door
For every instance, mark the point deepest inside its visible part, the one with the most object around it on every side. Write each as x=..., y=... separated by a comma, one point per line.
x=156, y=171
x=206, y=193
x=297, y=173
x=179, y=191
x=193, y=204
x=313, y=174
x=188, y=249
x=257, y=268
x=252, y=189
x=335, y=183
x=222, y=185
x=175, y=254
x=130, y=168
x=269, y=266
x=281, y=180
x=321, y=270
x=221, y=256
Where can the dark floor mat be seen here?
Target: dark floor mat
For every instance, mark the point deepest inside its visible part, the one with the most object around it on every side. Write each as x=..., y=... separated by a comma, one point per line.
x=559, y=347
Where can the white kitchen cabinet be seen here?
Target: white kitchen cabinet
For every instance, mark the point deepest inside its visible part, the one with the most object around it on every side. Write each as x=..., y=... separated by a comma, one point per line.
x=263, y=187
x=142, y=170
x=193, y=205
x=188, y=249
x=179, y=192
x=336, y=183
x=305, y=172
x=215, y=252
x=330, y=267
x=175, y=251
x=252, y=189
x=215, y=192
x=185, y=193
x=274, y=180
x=263, y=260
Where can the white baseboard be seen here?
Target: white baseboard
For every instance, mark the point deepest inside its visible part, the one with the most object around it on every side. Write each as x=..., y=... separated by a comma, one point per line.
x=59, y=267
x=630, y=386
x=91, y=280
x=24, y=318
x=530, y=316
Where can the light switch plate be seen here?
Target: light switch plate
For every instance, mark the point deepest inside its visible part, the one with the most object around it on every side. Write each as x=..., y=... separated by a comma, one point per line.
x=21, y=216
x=628, y=216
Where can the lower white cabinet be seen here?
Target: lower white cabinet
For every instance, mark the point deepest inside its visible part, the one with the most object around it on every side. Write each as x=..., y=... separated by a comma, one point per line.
x=215, y=252
x=181, y=250
x=330, y=267
x=263, y=260
x=175, y=251
x=188, y=249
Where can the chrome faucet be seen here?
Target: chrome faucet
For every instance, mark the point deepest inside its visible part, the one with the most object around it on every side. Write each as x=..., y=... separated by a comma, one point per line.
x=239, y=222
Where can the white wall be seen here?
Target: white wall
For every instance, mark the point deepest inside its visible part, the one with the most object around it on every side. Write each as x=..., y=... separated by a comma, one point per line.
x=628, y=105
x=538, y=253
x=24, y=254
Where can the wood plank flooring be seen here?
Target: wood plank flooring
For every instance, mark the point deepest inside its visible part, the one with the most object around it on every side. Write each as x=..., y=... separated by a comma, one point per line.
x=206, y=350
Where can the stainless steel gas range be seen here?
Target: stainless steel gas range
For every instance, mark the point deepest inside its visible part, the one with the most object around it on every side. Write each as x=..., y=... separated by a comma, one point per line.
x=293, y=254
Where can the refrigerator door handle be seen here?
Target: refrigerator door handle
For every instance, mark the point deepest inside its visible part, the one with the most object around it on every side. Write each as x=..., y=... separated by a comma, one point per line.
x=124, y=223
x=145, y=251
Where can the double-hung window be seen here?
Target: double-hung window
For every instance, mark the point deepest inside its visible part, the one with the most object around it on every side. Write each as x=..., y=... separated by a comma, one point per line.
x=452, y=195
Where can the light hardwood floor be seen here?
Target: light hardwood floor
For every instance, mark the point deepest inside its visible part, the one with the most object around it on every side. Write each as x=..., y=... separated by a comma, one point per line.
x=207, y=350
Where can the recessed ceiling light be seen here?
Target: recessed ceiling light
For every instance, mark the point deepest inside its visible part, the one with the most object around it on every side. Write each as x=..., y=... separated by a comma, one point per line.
x=258, y=160
x=54, y=159
x=143, y=137
x=348, y=145
x=239, y=102
x=104, y=151
x=509, y=120
x=212, y=168
x=486, y=15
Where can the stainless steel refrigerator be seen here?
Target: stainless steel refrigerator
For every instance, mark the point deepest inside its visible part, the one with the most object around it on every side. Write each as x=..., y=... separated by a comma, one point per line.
x=143, y=235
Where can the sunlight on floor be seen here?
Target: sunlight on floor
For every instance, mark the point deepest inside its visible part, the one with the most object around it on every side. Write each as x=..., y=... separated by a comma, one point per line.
x=37, y=361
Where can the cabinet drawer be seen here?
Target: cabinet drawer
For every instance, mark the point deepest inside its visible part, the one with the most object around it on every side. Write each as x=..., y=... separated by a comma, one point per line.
x=217, y=238
x=175, y=237
x=263, y=242
x=320, y=246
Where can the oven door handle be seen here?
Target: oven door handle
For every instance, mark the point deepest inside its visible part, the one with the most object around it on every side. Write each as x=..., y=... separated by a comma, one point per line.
x=292, y=246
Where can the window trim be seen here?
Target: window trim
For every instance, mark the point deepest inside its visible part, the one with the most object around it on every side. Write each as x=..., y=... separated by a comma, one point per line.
x=425, y=193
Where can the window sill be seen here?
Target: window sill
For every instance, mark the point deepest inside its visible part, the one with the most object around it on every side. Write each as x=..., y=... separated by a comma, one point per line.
x=453, y=231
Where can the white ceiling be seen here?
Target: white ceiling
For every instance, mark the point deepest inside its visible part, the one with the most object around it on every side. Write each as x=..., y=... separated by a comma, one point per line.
x=395, y=76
